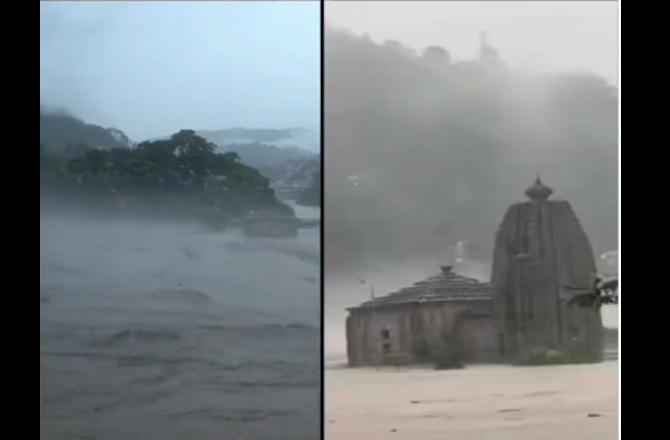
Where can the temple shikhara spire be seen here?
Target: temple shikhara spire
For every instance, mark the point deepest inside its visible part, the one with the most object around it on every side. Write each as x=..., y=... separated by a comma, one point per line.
x=541, y=256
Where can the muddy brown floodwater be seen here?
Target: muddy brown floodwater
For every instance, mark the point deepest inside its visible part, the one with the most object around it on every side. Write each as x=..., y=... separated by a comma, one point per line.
x=160, y=331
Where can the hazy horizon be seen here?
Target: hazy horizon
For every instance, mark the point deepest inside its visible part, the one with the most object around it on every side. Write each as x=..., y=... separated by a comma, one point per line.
x=540, y=36
x=151, y=69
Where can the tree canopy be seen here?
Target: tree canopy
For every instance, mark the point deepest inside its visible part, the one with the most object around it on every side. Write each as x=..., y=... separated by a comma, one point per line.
x=184, y=170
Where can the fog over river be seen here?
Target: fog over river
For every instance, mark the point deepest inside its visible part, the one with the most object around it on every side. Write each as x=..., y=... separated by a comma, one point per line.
x=170, y=331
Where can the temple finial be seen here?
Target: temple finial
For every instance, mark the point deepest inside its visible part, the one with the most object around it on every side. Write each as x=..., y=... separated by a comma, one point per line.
x=538, y=191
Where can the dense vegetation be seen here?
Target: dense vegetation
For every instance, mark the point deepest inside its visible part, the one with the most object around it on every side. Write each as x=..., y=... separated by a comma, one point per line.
x=423, y=151
x=603, y=292
x=179, y=176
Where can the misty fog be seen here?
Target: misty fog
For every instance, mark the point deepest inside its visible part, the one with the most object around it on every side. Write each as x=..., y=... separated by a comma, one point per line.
x=160, y=330
x=160, y=316
x=425, y=150
x=544, y=36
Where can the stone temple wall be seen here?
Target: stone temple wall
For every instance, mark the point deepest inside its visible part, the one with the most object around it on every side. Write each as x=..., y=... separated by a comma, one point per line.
x=416, y=333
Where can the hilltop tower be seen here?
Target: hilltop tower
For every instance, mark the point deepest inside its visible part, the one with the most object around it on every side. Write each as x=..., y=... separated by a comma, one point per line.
x=487, y=53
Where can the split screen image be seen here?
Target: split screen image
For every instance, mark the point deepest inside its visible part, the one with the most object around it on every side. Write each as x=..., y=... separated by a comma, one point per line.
x=343, y=220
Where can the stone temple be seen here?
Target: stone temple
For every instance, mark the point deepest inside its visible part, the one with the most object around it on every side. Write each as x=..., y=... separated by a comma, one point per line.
x=542, y=257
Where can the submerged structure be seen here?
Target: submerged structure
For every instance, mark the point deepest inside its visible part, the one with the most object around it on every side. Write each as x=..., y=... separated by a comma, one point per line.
x=444, y=314
x=542, y=258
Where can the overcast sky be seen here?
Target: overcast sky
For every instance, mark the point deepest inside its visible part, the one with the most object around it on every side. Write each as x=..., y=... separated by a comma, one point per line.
x=536, y=35
x=151, y=69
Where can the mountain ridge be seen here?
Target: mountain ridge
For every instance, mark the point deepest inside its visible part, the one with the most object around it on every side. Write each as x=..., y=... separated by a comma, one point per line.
x=58, y=130
x=425, y=150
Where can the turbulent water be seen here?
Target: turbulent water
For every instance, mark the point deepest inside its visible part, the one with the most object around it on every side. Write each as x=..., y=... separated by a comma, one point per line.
x=163, y=331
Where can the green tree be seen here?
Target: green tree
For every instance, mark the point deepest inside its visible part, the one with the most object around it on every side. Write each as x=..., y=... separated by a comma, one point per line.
x=184, y=171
